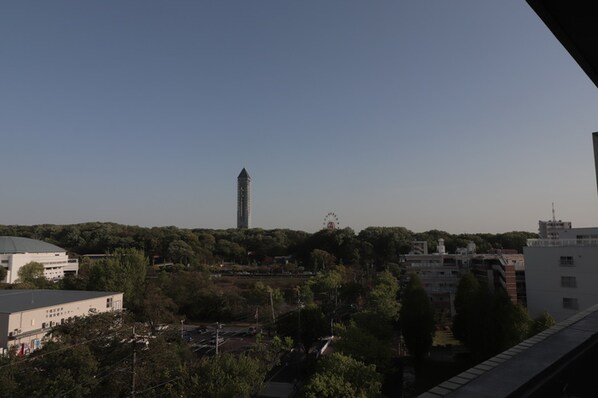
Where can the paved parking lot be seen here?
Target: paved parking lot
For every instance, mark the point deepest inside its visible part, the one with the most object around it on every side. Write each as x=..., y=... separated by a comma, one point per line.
x=233, y=338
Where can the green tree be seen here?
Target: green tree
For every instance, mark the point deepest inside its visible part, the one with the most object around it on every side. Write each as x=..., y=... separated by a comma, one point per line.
x=487, y=322
x=416, y=319
x=3, y=273
x=260, y=295
x=157, y=307
x=306, y=326
x=123, y=271
x=230, y=251
x=226, y=376
x=160, y=361
x=541, y=323
x=31, y=276
x=504, y=324
x=339, y=375
x=325, y=286
x=358, y=341
x=387, y=242
x=467, y=307
x=31, y=272
x=328, y=386
x=326, y=281
x=180, y=252
x=321, y=259
x=58, y=372
x=383, y=298
x=9, y=377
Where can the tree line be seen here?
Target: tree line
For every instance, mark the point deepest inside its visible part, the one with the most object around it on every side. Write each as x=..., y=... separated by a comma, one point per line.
x=372, y=246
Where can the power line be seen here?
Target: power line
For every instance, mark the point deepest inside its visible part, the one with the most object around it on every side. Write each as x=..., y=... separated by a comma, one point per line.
x=158, y=385
x=31, y=358
x=101, y=376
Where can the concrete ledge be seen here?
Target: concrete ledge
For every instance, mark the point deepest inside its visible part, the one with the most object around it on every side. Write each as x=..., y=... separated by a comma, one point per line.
x=542, y=357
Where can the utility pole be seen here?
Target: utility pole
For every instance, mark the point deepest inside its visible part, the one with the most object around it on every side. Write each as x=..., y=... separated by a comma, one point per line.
x=272, y=307
x=134, y=363
x=257, y=318
x=182, y=330
x=217, y=329
x=299, y=307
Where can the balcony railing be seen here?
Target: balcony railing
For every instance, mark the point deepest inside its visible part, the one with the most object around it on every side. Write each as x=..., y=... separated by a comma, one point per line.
x=561, y=242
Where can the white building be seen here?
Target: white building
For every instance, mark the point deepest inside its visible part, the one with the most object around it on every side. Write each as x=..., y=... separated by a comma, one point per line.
x=440, y=275
x=16, y=252
x=551, y=229
x=561, y=274
x=26, y=316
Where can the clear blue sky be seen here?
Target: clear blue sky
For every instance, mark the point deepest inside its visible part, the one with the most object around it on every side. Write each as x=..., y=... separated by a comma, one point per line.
x=466, y=116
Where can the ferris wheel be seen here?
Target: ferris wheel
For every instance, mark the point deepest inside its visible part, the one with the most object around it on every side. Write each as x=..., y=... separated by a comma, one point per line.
x=331, y=221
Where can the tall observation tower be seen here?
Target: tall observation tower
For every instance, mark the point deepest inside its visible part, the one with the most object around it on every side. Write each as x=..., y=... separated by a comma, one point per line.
x=243, y=200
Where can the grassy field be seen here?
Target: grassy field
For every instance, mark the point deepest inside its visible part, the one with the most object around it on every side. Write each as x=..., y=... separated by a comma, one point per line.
x=444, y=338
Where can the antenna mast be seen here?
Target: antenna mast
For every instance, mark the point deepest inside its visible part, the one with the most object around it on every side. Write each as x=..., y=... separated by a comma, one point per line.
x=553, y=217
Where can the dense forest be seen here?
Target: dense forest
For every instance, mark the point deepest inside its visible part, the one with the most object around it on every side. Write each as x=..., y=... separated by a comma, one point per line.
x=371, y=246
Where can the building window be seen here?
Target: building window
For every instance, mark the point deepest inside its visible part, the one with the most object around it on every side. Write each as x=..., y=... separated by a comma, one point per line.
x=570, y=303
x=568, y=281
x=566, y=261
x=109, y=302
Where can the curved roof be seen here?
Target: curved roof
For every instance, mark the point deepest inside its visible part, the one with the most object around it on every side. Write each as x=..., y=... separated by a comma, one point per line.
x=15, y=244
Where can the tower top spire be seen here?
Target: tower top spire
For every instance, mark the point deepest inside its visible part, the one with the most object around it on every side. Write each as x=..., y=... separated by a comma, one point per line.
x=243, y=174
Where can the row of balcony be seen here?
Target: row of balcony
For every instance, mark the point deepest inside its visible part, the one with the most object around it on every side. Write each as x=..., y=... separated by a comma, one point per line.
x=561, y=242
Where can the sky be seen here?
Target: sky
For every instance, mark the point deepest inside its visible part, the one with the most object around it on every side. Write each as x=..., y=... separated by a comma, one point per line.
x=464, y=116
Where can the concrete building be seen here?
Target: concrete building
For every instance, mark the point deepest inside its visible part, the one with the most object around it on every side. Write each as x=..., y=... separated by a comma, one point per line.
x=440, y=273
x=16, y=252
x=562, y=274
x=419, y=247
x=26, y=316
x=551, y=229
x=244, y=200
x=499, y=271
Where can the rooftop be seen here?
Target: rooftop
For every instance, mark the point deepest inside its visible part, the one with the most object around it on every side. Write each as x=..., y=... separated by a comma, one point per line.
x=16, y=300
x=574, y=25
x=543, y=366
x=15, y=244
